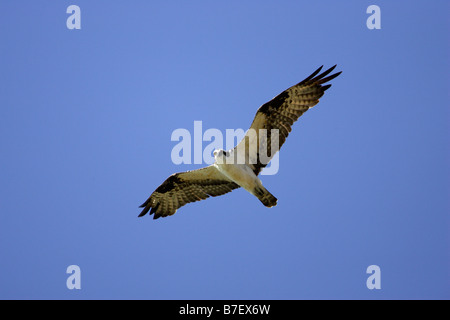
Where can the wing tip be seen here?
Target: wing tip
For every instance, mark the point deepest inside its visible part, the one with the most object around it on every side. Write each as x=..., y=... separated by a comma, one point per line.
x=312, y=75
x=146, y=208
x=153, y=211
x=156, y=216
x=329, y=78
x=143, y=212
x=320, y=78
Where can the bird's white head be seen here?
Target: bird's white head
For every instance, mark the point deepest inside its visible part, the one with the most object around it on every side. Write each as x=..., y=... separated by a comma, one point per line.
x=219, y=155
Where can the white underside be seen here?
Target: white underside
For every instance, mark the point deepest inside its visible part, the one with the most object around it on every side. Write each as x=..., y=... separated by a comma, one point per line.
x=240, y=174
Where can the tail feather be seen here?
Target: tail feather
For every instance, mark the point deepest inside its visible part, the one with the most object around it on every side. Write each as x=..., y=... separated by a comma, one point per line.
x=265, y=197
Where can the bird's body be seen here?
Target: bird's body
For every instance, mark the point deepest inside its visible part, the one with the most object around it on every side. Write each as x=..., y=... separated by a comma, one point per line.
x=242, y=175
x=241, y=166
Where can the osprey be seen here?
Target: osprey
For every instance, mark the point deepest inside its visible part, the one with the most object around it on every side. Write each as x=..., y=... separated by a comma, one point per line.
x=240, y=166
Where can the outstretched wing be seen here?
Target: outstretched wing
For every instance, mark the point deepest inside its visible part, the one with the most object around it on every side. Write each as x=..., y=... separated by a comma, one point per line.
x=280, y=113
x=184, y=187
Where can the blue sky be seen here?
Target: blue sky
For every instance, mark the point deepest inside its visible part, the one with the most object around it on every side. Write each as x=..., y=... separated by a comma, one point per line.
x=86, y=118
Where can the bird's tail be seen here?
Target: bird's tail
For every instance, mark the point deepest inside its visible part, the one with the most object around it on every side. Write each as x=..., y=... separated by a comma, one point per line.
x=265, y=197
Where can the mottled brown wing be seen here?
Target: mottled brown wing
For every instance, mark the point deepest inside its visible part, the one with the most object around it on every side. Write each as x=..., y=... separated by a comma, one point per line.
x=280, y=113
x=184, y=187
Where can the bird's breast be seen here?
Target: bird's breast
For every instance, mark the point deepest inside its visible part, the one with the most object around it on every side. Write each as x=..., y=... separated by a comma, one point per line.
x=238, y=173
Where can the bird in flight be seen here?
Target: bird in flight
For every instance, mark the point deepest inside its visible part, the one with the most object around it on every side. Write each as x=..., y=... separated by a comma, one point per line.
x=240, y=166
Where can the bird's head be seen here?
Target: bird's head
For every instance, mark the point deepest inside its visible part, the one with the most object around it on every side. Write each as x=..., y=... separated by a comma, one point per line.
x=219, y=155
